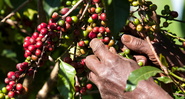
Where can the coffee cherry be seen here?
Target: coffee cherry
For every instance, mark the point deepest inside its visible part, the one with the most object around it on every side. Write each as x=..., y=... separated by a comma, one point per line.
x=90, y=20
x=106, y=39
x=24, y=65
x=92, y=35
x=165, y=24
x=38, y=52
x=61, y=22
x=6, y=80
x=41, y=35
x=73, y=3
x=68, y=3
x=153, y=7
x=83, y=51
x=83, y=90
x=11, y=94
x=94, y=16
x=38, y=44
x=135, y=3
x=96, y=1
x=127, y=51
x=183, y=44
x=102, y=30
x=103, y=17
x=26, y=39
x=19, y=87
x=103, y=23
x=76, y=32
x=77, y=88
x=44, y=31
x=140, y=63
x=98, y=10
x=32, y=41
x=174, y=14
x=111, y=43
x=31, y=48
x=86, y=42
x=95, y=29
x=35, y=35
x=166, y=7
x=83, y=61
x=17, y=74
x=64, y=10
x=91, y=10
x=69, y=20
x=139, y=28
x=67, y=60
x=88, y=86
x=13, y=77
x=101, y=40
x=155, y=28
x=30, y=72
x=136, y=22
x=80, y=70
x=74, y=19
x=73, y=64
x=26, y=44
x=89, y=29
x=11, y=83
x=79, y=65
x=55, y=15
x=84, y=34
x=10, y=74
x=39, y=28
x=2, y=96
x=43, y=25
x=107, y=30
x=8, y=87
x=81, y=43
x=34, y=57
x=4, y=90
x=51, y=21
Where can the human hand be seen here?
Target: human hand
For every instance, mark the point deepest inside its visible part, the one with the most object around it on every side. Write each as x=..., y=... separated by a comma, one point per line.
x=110, y=71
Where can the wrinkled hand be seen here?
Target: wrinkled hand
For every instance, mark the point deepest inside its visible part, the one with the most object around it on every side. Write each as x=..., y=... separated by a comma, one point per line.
x=110, y=71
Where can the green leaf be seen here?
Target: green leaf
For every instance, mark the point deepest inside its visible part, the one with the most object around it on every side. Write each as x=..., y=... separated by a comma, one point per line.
x=182, y=69
x=50, y=6
x=142, y=73
x=117, y=12
x=1, y=4
x=178, y=97
x=8, y=3
x=163, y=60
x=165, y=79
x=30, y=13
x=66, y=82
x=9, y=54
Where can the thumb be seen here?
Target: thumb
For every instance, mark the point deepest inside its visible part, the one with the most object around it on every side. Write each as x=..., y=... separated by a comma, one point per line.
x=136, y=44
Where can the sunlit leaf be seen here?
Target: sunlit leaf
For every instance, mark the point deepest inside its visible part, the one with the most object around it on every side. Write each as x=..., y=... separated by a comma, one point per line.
x=50, y=6
x=66, y=82
x=137, y=75
x=163, y=60
x=165, y=79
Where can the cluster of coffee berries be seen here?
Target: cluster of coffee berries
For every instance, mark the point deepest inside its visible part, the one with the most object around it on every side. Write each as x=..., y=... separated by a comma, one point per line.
x=79, y=66
x=83, y=89
x=13, y=87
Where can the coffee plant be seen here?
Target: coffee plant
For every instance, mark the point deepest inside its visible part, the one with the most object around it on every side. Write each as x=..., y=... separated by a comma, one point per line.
x=60, y=45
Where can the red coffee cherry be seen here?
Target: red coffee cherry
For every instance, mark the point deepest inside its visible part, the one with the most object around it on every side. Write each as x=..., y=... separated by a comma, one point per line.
x=10, y=74
x=44, y=31
x=69, y=20
x=24, y=65
x=30, y=72
x=76, y=32
x=102, y=30
x=81, y=43
x=107, y=30
x=88, y=86
x=31, y=48
x=11, y=94
x=96, y=1
x=94, y=16
x=95, y=29
x=38, y=52
x=26, y=39
x=92, y=35
x=77, y=88
x=35, y=35
x=103, y=17
x=91, y=10
x=38, y=44
x=83, y=90
x=11, y=83
x=39, y=28
x=106, y=39
x=67, y=60
x=8, y=87
x=19, y=87
x=51, y=21
x=26, y=44
x=83, y=61
x=7, y=80
x=73, y=64
x=55, y=15
x=64, y=10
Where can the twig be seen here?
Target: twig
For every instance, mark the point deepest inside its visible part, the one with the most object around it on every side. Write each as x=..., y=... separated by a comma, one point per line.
x=96, y=4
x=174, y=75
x=172, y=19
x=178, y=94
x=85, y=10
x=73, y=8
x=156, y=56
x=13, y=12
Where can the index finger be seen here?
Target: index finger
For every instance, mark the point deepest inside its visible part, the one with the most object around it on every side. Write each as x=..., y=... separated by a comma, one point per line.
x=99, y=49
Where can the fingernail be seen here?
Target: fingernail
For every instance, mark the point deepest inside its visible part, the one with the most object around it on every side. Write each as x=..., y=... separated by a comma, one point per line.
x=126, y=38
